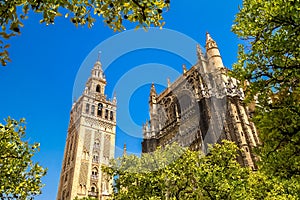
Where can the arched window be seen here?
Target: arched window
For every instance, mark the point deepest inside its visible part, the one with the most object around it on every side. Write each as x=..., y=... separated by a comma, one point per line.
x=185, y=102
x=95, y=158
x=98, y=88
x=94, y=173
x=99, y=112
x=97, y=144
x=93, y=110
x=94, y=188
x=111, y=115
x=87, y=108
x=106, y=114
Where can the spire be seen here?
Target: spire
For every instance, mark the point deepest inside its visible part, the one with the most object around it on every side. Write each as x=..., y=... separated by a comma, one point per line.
x=184, y=68
x=169, y=82
x=210, y=43
x=97, y=71
x=98, y=64
x=200, y=53
x=115, y=97
x=152, y=98
x=213, y=54
x=153, y=91
x=124, y=150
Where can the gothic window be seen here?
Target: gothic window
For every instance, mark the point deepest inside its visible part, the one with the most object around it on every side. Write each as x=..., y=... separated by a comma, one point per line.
x=93, y=110
x=80, y=189
x=97, y=144
x=98, y=88
x=111, y=115
x=106, y=114
x=93, y=191
x=85, y=154
x=87, y=108
x=185, y=102
x=94, y=173
x=95, y=158
x=93, y=188
x=99, y=112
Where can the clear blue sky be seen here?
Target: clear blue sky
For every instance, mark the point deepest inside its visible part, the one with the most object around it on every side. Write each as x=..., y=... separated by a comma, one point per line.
x=38, y=83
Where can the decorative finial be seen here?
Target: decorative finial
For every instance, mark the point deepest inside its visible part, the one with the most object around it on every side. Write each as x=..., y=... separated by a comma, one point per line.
x=152, y=91
x=169, y=82
x=99, y=55
x=208, y=37
x=124, y=150
x=184, y=68
x=200, y=53
x=152, y=97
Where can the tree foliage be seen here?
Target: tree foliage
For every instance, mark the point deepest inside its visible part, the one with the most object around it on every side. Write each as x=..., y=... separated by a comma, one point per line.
x=177, y=173
x=20, y=178
x=142, y=12
x=269, y=59
x=269, y=62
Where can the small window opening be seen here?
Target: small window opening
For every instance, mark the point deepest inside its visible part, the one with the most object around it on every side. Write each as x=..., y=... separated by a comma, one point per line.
x=99, y=112
x=87, y=108
x=111, y=115
x=98, y=88
x=93, y=110
x=106, y=114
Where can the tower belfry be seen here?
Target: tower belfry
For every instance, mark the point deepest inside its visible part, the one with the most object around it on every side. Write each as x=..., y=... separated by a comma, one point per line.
x=90, y=142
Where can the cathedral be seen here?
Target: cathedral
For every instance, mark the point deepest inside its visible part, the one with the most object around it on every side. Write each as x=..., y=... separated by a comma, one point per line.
x=90, y=142
x=202, y=107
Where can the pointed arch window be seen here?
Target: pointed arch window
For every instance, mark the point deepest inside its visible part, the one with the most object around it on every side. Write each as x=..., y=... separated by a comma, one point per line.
x=98, y=89
x=185, y=102
x=94, y=191
x=95, y=158
x=100, y=107
x=94, y=173
x=97, y=144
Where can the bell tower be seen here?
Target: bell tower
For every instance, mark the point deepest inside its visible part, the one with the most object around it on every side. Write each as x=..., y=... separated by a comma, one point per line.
x=90, y=142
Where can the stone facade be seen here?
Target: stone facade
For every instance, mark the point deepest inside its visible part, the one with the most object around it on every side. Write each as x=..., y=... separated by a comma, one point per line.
x=90, y=142
x=203, y=106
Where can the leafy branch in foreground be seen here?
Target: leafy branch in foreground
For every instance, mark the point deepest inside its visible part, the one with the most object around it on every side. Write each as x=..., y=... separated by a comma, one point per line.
x=142, y=12
x=178, y=173
x=20, y=178
x=269, y=61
